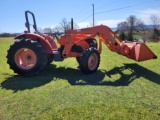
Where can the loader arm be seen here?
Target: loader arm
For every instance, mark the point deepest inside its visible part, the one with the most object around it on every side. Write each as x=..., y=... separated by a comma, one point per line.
x=133, y=50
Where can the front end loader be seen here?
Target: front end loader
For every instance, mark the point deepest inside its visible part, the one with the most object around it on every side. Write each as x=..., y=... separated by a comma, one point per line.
x=31, y=52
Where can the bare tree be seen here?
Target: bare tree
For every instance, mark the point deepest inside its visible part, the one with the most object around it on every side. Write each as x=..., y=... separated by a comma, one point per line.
x=146, y=35
x=57, y=29
x=64, y=26
x=140, y=25
x=154, y=20
x=130, y=25
x=122, y=26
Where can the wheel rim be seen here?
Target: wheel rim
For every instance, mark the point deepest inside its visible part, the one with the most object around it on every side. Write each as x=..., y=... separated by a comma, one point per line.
x=25, y=58
x=93, y=61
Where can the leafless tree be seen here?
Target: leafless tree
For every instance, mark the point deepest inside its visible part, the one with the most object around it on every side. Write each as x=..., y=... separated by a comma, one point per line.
x=130, y=25
x=122, y=26
x=140, y=25
x=146, y=35
x=57, y=29
x=154, y=20
x=65, y=25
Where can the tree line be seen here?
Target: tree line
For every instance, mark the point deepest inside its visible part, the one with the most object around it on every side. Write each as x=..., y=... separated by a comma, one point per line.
x=133, y=26
x=7, y=35
x=127, y=30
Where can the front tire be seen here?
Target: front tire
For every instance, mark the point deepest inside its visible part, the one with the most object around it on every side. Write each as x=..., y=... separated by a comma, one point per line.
x=89, y=61
x=26, y=57
x=92, y=43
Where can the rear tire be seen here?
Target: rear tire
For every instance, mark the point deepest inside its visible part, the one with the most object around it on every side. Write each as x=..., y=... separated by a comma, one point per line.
x=50, y=59
x=26, y=57
x=89, y=61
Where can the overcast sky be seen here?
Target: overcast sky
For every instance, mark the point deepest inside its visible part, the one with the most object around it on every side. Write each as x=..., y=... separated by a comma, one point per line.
x=49, y=13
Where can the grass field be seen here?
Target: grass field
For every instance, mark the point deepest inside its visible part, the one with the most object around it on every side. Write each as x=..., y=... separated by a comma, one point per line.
x=122, y=89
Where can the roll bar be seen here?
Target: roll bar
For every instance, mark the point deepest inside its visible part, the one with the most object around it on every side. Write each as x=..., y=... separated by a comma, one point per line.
x=27, y=24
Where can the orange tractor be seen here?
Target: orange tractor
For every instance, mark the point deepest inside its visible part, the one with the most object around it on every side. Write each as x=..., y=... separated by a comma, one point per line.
x=31, y=52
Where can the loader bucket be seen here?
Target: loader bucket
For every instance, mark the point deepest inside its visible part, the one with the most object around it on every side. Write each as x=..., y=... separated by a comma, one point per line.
x=139, y=51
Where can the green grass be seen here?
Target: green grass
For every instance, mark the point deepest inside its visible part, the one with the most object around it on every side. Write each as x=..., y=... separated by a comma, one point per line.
x=122, y=89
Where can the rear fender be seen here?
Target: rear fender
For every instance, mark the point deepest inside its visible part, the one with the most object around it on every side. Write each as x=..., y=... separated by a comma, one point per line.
x=43, y=40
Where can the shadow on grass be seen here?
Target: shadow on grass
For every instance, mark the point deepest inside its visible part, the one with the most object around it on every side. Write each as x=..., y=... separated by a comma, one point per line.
x=136, y=72
x=76, y=77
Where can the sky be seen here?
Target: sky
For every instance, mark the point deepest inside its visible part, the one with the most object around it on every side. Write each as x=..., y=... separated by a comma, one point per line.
x=50, y=13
